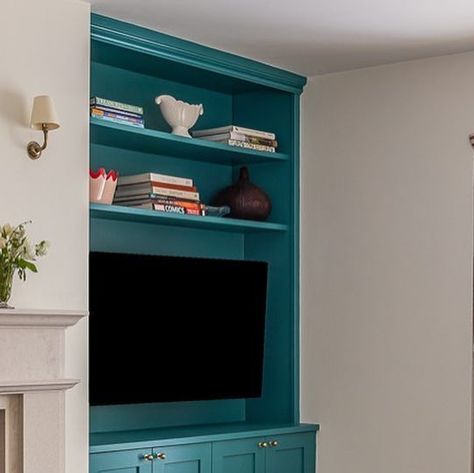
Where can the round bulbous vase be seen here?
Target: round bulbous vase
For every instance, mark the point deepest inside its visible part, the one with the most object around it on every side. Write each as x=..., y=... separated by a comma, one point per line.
x=6, y=282
x=245, y=199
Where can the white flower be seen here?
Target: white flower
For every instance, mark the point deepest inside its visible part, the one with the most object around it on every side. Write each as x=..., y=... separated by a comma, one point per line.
x=27, y=251
x=7, y=230
x=42, y=248
x=3, y=242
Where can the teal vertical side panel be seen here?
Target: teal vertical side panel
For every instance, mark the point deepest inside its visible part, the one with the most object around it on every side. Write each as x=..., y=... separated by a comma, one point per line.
x=296, y=256
x=274, y=111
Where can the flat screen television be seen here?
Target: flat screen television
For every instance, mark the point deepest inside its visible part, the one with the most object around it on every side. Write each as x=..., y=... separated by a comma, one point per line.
x=166, y=329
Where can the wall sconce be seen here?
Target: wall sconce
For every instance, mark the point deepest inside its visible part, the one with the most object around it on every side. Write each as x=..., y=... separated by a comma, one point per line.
x=43, y=117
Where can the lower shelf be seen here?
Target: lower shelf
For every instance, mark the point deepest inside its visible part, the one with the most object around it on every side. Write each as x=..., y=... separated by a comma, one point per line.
x=116, y=212
x=111, y=441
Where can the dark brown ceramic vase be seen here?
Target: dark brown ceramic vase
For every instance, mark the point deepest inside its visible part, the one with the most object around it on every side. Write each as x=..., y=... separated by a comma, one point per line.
x=246, y=200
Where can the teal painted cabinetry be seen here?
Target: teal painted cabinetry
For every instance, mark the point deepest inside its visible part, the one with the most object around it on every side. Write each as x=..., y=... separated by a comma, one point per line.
x=193, y=458
x=127, y=461
x=294, y=453
x=291, y=454
x=133, y=65
x=259, y=451
x=238, y=456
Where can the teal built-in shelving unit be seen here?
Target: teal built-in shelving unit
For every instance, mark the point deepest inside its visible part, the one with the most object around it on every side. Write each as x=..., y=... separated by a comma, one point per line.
x=134, y=65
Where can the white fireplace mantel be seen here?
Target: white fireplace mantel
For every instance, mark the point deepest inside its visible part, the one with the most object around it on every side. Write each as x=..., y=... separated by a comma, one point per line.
x=39, y=318
x=32, y=387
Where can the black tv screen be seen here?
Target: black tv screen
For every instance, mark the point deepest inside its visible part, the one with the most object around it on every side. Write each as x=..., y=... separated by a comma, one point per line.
x=166, y=329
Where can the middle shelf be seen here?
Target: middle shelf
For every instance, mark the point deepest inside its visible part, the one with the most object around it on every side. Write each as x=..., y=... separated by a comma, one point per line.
x=116, y=212
x=166, y=144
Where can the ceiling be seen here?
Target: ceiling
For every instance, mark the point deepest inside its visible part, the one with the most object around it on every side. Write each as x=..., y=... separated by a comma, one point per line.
x=310, y=36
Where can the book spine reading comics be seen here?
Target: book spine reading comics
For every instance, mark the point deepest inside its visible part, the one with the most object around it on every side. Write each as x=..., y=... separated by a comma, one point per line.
x=172, y=208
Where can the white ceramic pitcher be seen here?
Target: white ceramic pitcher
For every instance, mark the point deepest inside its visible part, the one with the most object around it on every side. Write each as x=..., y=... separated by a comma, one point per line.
x=181, y=116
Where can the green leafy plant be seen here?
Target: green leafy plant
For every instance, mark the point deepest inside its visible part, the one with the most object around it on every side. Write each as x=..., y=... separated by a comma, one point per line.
x=17, y=254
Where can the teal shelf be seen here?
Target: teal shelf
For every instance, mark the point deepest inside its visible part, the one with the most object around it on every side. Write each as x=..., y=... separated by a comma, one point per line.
x=116, y=212
x=166, y=144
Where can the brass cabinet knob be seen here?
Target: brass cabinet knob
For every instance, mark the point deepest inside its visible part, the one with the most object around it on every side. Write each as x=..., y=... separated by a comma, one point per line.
x=160, y=456
x=148, y=457
x=274, y=443
x=263, y=444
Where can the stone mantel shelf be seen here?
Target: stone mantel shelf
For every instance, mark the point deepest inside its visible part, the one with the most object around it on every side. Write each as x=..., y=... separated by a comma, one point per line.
x=31, y=318
x=14, y=387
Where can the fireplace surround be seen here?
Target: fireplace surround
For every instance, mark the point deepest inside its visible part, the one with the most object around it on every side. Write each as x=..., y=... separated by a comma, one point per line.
x=32, y=389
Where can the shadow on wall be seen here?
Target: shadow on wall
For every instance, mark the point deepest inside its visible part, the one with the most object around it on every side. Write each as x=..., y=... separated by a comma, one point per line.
x=14, y=113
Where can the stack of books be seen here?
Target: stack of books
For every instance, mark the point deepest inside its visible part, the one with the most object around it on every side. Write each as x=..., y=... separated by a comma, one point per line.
x=239, y=136
x=117, y=112
x=171, y=194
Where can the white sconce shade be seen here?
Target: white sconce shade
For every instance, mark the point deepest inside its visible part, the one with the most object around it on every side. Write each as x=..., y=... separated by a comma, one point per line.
x=44, y=113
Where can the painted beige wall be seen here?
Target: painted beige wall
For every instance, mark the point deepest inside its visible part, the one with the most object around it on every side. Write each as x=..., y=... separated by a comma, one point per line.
x=387, y=266
x=45, y=50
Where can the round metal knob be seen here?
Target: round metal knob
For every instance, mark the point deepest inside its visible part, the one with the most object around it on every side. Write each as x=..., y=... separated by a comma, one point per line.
x=274, y=443
x=160, y=456
x=263, y=444
x=148, y=457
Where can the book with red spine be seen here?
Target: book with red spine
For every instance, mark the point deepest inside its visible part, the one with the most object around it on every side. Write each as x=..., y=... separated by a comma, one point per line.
x=149, y=201
x=172, y=208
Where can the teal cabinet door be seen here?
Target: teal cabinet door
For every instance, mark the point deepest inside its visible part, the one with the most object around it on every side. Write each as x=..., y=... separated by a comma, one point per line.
x=195, y=458
x=238, y=456
x=295, y=453
x=126, y=461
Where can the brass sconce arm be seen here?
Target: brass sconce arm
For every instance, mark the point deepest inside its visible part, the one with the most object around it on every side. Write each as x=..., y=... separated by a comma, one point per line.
x=34, y=148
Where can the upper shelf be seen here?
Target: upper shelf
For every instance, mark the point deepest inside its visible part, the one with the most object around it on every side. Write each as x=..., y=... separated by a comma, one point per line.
x=167, y=144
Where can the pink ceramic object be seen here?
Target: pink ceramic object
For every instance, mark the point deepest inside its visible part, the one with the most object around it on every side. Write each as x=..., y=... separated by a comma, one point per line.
x=102, y=186
x=110, y=186
x=96, y=184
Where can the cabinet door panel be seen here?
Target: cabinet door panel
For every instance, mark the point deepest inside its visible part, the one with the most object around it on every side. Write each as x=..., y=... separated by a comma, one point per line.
x=183, y=459
x=238, y=456
x=294, y=453
x=128, y=461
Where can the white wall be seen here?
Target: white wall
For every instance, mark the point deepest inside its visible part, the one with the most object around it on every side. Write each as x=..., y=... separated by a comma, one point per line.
x=387, y=266
x=45, y=50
